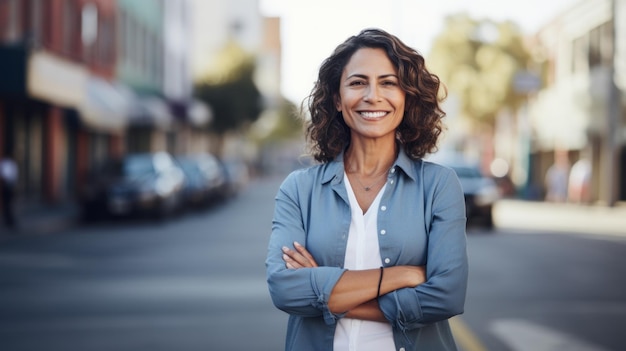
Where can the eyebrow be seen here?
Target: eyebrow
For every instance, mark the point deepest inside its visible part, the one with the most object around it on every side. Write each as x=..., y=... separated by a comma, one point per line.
x=363, y=76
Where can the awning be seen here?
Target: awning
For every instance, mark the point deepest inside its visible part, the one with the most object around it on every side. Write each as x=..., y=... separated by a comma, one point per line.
x=56, y=80
x=150, y=111
x=105, y=106
x=102, y=105
x=158, y=110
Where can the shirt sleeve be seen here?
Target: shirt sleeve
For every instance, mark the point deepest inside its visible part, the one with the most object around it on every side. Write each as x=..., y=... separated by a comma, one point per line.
x=443, y=294
x=305, y=291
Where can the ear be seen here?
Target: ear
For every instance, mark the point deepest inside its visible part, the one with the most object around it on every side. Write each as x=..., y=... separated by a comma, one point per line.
x=337, y=103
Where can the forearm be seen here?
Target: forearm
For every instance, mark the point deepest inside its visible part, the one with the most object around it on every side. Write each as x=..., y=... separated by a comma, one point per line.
x=355, y=288
x=369, y=311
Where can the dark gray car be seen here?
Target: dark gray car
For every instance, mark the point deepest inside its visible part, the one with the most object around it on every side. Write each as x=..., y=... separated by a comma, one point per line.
x=141, y=183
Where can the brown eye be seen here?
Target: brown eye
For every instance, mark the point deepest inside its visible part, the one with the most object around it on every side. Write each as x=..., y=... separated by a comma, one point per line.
x=357, y=82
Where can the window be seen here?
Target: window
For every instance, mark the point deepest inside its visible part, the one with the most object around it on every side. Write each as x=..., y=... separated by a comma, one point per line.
x=89, y=30
x=601, y=45
x=579, y=55
x=121, y=37
x=593, y=49
x=37, y=21
x=69, y=25
x=10, y=23
x=106, y=42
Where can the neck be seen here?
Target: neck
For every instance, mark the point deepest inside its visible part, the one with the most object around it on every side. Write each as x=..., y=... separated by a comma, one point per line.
x=370, y=159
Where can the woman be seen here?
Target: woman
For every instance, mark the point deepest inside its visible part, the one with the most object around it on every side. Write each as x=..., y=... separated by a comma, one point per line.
x=368, y=248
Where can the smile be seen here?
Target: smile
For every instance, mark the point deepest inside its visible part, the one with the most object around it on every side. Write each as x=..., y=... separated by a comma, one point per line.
x=372, y=115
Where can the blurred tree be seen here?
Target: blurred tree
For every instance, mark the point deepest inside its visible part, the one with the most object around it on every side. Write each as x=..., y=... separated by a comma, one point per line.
x=477, y=61
x=287, y=125
x=230, y=90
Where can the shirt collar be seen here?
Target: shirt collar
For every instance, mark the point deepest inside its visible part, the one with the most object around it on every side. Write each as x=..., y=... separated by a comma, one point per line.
x=334, y=169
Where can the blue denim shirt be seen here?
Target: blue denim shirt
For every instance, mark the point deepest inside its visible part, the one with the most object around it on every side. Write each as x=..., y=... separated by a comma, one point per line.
x=421, y=221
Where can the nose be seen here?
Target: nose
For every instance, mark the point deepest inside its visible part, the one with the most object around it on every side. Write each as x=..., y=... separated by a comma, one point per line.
x=371, y=94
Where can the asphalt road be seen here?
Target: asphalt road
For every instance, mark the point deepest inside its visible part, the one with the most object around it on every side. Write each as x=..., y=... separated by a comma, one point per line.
x=535, y=291
x=197, y=282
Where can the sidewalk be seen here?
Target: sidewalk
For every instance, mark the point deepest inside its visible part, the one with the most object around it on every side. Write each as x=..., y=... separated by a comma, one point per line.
x=564, y=217
x=38, y=219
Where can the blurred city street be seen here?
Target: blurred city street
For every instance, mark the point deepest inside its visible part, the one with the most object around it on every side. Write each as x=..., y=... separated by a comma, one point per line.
x=142, y=144
x=194, y=282
x=197, y=282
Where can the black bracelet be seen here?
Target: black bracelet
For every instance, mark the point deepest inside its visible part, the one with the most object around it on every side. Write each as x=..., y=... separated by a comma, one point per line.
x=380, y=281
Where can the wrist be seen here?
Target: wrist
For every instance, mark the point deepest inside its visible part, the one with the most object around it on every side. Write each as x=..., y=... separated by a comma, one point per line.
x=380, y=280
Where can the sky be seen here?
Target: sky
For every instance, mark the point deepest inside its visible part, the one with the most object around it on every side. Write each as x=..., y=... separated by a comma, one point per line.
x=312, y=29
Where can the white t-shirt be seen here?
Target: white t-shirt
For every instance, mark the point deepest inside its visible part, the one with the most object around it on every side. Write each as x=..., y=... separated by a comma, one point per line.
x=362, y=252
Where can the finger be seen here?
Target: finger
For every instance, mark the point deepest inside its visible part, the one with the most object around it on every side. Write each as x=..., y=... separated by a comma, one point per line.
x=291, y=263
x=297, y=257
x=304, y=252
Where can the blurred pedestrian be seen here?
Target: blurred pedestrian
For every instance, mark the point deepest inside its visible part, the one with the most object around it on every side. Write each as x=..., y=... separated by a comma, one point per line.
x=8, y=182
x=368, y=247
x=580, y=182
x=557, y=177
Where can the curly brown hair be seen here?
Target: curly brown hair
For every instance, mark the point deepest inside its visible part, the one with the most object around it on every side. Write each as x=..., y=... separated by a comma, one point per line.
x=327, y=133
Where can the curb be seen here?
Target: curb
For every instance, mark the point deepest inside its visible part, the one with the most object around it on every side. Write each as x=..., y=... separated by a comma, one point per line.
x=591, y=219
x=43, y=221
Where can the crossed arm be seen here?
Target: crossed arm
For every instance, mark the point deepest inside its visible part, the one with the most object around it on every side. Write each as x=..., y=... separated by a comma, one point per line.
x=356, y=291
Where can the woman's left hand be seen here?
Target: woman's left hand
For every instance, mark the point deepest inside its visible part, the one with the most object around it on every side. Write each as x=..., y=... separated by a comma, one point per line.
x=298, y=258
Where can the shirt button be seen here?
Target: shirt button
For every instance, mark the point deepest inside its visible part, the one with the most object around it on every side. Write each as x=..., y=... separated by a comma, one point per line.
x=391, y=181
x=393, y=170
x=383, y=208
x=383, y=232
x=387, y=260
x=401, y=349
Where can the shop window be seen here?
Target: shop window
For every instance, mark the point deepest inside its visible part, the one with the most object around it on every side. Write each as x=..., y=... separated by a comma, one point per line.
x=601, y=45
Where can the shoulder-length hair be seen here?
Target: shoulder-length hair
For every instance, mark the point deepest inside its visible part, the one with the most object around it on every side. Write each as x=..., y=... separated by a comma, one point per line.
x=327, y=133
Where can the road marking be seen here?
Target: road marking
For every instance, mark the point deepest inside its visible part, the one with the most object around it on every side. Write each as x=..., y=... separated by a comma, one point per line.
x=522, y=335
x=464, y=336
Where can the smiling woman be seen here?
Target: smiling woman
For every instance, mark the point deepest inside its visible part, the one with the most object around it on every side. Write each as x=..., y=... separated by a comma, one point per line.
x=368, y=247
x=372, y=102
x=416, y=22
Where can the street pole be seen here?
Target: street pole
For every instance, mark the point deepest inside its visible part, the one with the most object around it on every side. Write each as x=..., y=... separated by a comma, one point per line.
x=611, y=160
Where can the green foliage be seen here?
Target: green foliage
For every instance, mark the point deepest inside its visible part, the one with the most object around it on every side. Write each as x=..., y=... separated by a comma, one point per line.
x=288, y=125
x=477, y=61
x=231, y=92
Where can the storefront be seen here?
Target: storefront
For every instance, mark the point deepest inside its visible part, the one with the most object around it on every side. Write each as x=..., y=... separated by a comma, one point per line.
x=59, y=121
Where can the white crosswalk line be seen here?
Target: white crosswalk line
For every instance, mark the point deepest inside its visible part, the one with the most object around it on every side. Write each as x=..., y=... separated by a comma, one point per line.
x=522, y=335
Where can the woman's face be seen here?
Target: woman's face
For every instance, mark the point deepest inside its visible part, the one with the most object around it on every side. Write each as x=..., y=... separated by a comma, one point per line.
x=370, y=98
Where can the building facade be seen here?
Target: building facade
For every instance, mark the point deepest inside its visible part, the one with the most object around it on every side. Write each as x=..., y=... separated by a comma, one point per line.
x=89, y=80
x=60, y=56
x=581, y=109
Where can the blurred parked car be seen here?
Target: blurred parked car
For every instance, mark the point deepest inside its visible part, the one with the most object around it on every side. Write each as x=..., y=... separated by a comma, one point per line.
x=480, y=191
x=237, y=175
x=204, y=178
x=142, y=183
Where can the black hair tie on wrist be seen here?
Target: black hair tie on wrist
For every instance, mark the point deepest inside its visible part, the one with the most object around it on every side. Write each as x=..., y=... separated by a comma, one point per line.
x=380, y=281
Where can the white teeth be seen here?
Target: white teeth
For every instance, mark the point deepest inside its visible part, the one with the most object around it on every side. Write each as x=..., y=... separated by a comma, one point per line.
x=373, y=114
